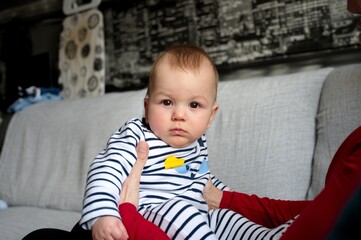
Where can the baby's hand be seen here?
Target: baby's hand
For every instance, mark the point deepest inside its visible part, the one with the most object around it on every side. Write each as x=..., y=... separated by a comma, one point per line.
x=109, y=228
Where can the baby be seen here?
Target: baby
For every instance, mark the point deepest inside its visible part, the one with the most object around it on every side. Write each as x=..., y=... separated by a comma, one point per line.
x=180, y=105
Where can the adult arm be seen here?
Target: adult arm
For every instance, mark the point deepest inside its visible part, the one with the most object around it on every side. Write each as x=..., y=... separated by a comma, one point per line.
x=265, y=211
x=137, y=226
x=342, y=180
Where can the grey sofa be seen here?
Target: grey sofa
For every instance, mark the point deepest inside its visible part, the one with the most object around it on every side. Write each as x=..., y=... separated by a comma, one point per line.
x=273, y=136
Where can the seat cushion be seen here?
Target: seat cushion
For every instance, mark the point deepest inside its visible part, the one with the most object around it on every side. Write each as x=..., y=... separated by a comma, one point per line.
x=17, y=222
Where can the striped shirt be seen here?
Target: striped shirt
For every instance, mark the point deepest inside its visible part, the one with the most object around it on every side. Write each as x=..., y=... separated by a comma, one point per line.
x=111, y=167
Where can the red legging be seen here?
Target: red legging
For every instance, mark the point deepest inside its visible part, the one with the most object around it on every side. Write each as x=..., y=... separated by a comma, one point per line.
x=343, y=177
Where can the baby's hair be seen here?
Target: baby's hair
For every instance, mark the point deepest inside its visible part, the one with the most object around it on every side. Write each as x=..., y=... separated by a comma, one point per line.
x=185, y=56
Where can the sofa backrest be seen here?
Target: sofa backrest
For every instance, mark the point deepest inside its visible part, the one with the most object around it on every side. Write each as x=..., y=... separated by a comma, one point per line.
x=339, y=114
x=49, y=147
x=262, y=140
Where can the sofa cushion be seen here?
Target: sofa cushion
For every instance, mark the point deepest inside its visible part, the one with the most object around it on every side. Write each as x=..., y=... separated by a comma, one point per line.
x=339, y=114
x=49, y=147
x=262, y=140
x=16, y=222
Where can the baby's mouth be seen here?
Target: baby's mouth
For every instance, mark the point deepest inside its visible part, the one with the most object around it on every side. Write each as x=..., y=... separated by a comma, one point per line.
x=177, y=131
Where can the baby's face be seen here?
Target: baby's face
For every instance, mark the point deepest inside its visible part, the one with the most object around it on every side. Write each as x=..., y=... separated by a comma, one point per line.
x=181, y=104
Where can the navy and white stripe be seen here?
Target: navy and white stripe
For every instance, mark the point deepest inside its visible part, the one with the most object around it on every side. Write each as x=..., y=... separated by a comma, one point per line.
x=230, y=225
x=111, y=167
x=168, y=198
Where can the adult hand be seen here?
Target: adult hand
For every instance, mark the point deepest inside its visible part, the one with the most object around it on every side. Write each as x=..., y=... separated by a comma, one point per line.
x=130, y=189
x=212, y=195
x=112, y=228
x=138, y=227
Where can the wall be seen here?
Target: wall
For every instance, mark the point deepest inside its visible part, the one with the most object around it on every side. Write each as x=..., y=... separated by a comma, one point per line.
x=245, y=38
x=258, y=37
x=29, y=39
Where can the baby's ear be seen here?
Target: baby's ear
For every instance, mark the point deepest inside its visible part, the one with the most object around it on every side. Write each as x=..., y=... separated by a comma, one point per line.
x=214, y=111
x=215, y=108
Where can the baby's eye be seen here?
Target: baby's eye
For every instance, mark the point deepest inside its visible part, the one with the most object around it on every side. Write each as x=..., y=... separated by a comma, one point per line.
x=194, y=105
x=167, y=102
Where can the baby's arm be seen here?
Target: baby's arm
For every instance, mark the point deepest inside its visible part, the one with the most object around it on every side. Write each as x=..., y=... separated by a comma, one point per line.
x=218, y=183
x=106, y=175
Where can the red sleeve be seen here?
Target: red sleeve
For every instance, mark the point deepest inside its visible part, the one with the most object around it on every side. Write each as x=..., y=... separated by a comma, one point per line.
x=342, y=180
x=137, y=226
x=264, y=211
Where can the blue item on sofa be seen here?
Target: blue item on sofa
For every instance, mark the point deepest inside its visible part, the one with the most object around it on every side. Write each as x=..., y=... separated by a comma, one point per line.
x=3, y=204
x=42, y=95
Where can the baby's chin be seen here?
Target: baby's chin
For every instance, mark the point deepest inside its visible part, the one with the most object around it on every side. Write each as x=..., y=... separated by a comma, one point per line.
x=179, y=142
x=179, y=145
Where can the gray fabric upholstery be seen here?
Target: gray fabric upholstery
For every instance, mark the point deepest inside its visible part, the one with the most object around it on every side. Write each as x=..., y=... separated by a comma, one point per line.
x=16, y=222
x=339, y=114
x=262, y=140
x=49, y=147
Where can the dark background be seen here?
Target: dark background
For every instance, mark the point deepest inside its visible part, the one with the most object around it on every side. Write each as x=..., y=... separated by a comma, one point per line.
x=245, y=38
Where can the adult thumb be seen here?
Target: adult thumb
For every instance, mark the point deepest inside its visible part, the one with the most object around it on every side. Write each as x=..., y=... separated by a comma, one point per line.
x=142, y=152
